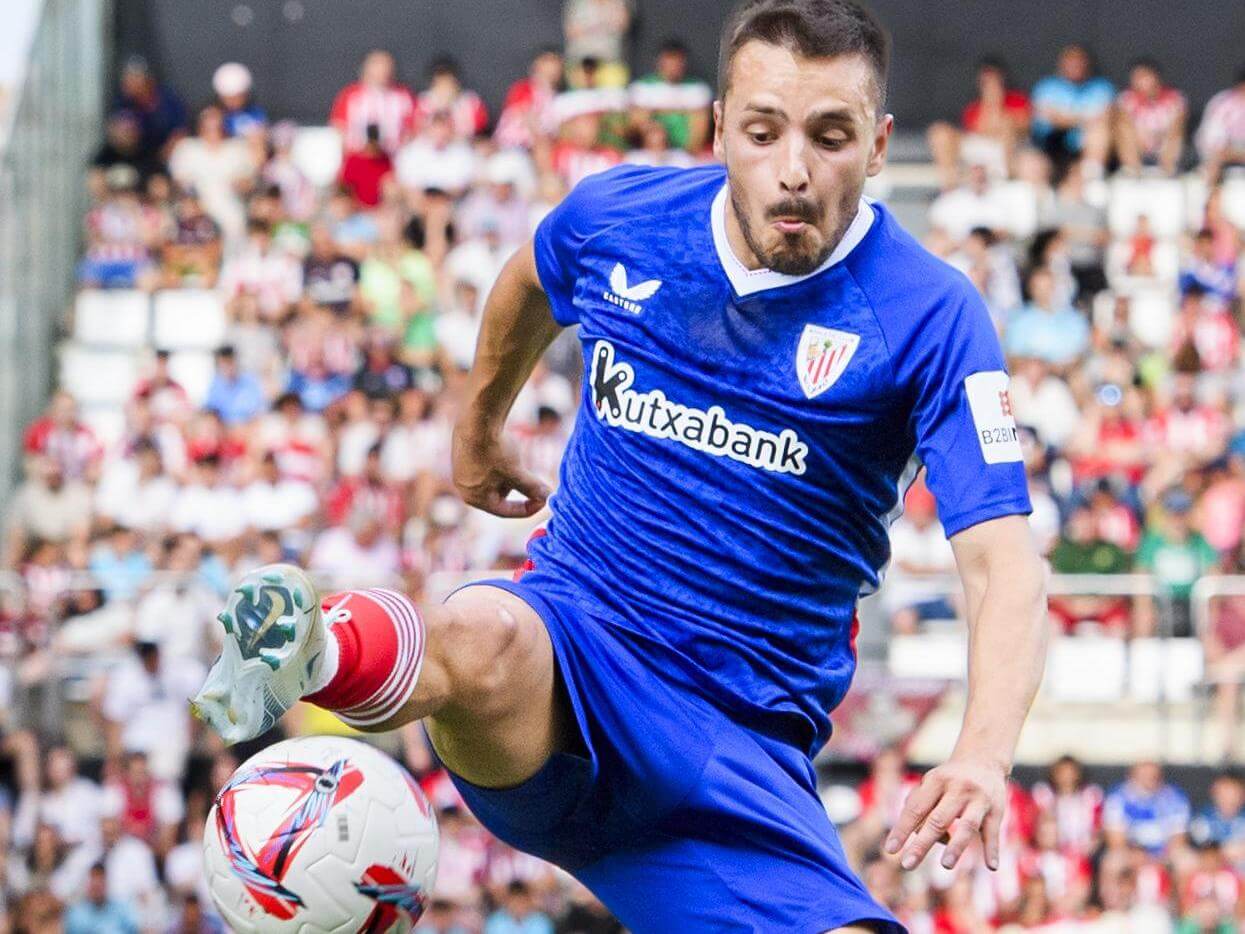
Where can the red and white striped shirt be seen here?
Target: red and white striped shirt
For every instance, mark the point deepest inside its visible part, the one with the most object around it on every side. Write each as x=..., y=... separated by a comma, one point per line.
x=1078, y=815
x=1223, y=123
x=1152, y=117
x=358, y=105
x=468, y=115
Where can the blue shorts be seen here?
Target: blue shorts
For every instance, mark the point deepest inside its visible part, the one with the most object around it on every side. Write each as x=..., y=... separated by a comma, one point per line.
x=677, y=817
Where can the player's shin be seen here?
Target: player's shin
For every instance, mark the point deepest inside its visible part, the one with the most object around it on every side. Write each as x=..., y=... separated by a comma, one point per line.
x=375, y=674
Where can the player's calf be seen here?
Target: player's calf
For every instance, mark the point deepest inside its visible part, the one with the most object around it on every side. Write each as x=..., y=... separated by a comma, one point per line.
x=480, y=668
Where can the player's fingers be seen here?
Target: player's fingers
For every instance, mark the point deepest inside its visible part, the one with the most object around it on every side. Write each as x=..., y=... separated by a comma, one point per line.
x=963, y=832
x=919, y=802
x=536, y=491
x=991, y=830
x=934, y=828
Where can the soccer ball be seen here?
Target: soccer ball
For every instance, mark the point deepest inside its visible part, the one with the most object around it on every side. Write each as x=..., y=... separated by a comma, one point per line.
x=320, y=834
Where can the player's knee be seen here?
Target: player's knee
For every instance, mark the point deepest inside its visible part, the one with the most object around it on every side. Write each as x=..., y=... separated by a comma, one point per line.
x=492, y=655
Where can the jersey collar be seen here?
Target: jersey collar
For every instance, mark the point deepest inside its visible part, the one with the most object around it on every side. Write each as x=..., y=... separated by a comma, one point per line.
x=747, y=281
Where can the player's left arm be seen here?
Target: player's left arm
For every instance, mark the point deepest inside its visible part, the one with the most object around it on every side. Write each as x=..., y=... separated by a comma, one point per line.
x=1005, y=591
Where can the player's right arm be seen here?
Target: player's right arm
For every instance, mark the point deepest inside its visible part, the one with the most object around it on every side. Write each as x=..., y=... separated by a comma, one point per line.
x=516, y=329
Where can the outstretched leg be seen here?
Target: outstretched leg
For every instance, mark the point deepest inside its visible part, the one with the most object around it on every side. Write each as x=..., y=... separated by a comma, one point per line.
x=479, y=669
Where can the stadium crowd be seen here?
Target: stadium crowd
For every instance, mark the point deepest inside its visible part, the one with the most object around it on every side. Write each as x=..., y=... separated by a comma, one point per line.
x=324, y=437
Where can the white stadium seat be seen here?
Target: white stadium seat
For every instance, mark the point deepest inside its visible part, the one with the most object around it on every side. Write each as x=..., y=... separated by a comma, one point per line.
x=1162, y=200
x=193, y=370
x=318, y=153
x=98, y=377
x=188, y=319
x=1152, y=313
x=112, y=318
x=1085, y=668
x=1194, y=201
x=1159, y=670
x=939, y=655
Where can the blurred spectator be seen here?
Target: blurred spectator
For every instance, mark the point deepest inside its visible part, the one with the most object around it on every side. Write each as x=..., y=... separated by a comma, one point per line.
x=1071, y=112
x=1073, y=803
x=1081, y=551
x=398, y=290
x=359, y=551
x=144, y=707
x=191, y=253
x=235, y=396
x=518, y=914
x=1150, y=121
x=595, y=30
x=120, y=234
x=218, y=169
x=46, y=507
x=498, y=202
x=921, y=561
x=1043, y=329
x=436, y=159
x=579, y=151
x=365, y=171
x=62, y=436
x=376, y=99
x=525, y=117
x=264, y=270
x=1221, y=821
x=1221, y=135
x=191, y=919
x=120, y=563
x=1083, y=228
x=990, y=128
x=123, y=146
x=445, y=94
x=1146, y=811
x=673, y=98
x=160, y=112
x=1177, y=556
x=96, y=913
x=1206, y=274
x=242, y=116
x=977, y=203
x=330, y=278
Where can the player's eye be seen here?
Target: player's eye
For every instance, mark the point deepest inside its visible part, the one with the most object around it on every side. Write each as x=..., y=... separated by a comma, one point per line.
x=760, y=137
x=833, y=142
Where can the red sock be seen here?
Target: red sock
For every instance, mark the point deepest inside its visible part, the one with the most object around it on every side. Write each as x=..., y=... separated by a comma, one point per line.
x=380, y=648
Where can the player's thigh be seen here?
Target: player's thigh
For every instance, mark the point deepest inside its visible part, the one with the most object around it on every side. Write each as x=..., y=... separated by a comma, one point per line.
x=506, y=715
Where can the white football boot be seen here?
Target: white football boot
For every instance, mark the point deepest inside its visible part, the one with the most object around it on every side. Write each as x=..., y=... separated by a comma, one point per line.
x=274, y=639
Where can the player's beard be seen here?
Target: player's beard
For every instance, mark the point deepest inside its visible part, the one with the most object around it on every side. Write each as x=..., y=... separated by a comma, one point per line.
x=795, y=255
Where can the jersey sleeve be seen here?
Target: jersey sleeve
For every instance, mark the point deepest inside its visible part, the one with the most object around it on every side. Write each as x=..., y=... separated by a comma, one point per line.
x=595, y=204
x=962, y=416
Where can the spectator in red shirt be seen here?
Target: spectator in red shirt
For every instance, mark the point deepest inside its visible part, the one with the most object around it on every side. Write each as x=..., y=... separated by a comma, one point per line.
x=376, y=99
x=365, y=172
x=990, y=125
x=370, y=492
x=62, y=436
x=1150, y=121
x=446, y=92
x=525, y=119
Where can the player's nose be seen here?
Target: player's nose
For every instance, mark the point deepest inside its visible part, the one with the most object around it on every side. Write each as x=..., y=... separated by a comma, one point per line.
x=793, y=175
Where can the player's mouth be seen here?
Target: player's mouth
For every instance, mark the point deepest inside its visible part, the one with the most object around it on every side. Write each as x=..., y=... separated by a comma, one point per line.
x=789, y=225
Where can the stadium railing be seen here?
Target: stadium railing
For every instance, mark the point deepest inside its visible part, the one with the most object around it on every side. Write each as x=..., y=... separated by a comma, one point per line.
x=55, y=121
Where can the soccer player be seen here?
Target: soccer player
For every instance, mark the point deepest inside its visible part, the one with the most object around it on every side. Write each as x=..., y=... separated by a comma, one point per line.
x=764, y=352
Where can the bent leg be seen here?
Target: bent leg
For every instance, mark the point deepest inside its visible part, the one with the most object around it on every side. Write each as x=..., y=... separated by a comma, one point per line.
x=485, y=683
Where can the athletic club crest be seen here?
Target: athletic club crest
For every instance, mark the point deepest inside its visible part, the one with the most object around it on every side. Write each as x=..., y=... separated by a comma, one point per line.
x=822, y=357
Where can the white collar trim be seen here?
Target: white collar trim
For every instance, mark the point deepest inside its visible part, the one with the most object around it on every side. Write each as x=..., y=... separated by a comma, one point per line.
x=748, y=281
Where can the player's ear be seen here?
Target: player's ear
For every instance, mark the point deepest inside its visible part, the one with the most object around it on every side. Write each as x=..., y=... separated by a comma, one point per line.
x=719, y=108
x=881, y=140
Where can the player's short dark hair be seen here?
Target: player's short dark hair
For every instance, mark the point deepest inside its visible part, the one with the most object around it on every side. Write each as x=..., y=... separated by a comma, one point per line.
x=813, y=28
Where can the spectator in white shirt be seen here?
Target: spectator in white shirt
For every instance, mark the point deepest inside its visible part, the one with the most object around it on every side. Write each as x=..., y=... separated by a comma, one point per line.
x=144, y=705
x=217, y=169
x=359, y=551
x=71, y=804
x=921, y=560
x=265, y=270
x=135, y=491
x=976, y=203
x=273, y=503
x=436, y=159
x=208, y=505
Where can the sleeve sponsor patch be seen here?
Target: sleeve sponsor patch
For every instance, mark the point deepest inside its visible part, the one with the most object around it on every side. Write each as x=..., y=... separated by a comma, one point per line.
x=991, y=405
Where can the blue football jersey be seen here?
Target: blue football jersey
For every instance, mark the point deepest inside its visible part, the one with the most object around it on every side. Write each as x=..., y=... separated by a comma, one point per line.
x=745, y=436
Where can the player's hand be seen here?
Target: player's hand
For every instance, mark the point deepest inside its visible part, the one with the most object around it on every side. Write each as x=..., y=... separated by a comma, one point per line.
x=955, y=803
x=486, y=470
